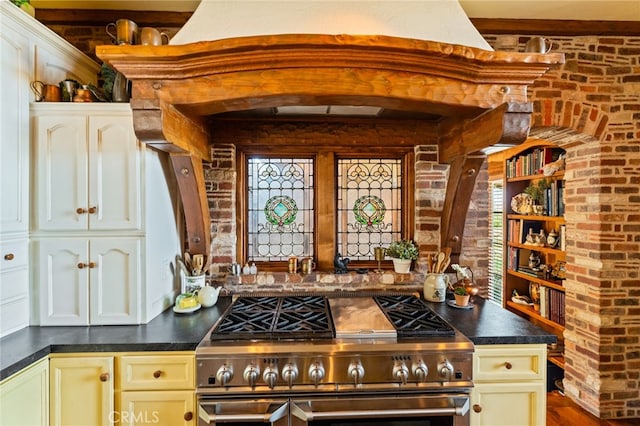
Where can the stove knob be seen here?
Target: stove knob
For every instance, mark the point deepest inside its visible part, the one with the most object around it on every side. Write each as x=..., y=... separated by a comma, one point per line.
x=400, y=371
x=356, y=372
x=289, y=373
x=445, y=369
x=224, y=375
x=251, y=374
x=420, y=370
x=316, y=372
x=270, y=376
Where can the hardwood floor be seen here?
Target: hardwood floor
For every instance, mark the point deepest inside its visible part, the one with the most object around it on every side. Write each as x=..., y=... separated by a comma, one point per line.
x=562, y=411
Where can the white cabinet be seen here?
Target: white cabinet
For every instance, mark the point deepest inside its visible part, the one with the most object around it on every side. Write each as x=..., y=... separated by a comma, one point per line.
x=24, y=396
x=28, y=51
x=87, y=170
x=88, y=281
x=509, y=385
x=104, y=229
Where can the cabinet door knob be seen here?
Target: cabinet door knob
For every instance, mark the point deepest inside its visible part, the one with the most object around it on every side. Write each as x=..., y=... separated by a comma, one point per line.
x=93, y=210
x=80, y=210
x=477, y=408
x=104, y=377
x=82, y=265
x=9, y=256
x=92, y=265
x=157, y=374
x=508, y=365
x=188, y=416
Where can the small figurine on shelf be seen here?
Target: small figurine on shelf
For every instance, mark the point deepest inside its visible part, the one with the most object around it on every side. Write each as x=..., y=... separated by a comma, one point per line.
x=341, y=264
x=552, y=238
x=534, y=261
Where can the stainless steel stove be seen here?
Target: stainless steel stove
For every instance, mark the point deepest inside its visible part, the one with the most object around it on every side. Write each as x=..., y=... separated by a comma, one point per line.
x=322, y=359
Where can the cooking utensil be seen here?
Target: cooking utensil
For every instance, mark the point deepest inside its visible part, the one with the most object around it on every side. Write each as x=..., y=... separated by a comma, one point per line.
x=439, y=262
x=197, y=262
x=187, y=261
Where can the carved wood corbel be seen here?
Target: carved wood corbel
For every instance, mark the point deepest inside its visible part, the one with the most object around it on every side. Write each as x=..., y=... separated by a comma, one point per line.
x=460, y=145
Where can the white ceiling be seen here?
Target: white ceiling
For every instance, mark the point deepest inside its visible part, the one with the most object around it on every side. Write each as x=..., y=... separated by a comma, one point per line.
x=588, y=10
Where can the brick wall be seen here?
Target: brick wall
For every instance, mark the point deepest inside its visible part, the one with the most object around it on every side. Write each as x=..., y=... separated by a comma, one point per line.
x=591, y=107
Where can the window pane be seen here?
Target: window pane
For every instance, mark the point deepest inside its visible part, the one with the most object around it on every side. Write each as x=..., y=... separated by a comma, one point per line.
x=369, y=205
x=280, y=208
x=496, y=232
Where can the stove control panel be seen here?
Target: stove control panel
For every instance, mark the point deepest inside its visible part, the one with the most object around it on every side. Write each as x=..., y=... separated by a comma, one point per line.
x=315, y=372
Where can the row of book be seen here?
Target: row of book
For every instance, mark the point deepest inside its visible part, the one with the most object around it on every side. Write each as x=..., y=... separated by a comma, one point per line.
x=531, y=162
x=552, y=303
x=553, y=199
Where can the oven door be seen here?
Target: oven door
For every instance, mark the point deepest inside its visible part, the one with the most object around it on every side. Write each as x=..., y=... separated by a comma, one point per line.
x=341, y=410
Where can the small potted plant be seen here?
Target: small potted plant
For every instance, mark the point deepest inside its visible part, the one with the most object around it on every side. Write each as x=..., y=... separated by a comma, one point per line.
x=403, y=252
x=461, y=295
x=536, y=191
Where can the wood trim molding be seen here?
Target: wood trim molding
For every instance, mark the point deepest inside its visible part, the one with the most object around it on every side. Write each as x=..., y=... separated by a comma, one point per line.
x=91, y=17
x=555, y=27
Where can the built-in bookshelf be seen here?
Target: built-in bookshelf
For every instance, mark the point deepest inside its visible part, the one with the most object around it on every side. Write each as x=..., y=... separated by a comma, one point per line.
x=534, y=237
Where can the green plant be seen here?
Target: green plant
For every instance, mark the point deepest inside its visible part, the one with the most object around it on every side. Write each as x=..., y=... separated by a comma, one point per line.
x=537, y=189
x=403, y=249
x=460, y=291
x=20, y=2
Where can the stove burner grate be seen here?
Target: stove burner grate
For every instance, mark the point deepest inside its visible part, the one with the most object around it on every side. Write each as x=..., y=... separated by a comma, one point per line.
x=412, y=317
x=276, y=318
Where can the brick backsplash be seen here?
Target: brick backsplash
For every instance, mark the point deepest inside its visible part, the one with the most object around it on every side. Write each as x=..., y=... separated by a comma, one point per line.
x=591, y=107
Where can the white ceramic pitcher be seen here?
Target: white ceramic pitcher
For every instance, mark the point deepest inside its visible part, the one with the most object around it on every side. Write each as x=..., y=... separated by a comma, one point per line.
x=435, y=287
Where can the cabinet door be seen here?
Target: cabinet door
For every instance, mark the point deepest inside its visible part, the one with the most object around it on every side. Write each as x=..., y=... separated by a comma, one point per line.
x=508, y=404
x=24, y=397
x=62, y=280
x=14, y=131
x=115, y=180
x=162, y=408
x=115, y=280
x=61, y=168
x=82, y=391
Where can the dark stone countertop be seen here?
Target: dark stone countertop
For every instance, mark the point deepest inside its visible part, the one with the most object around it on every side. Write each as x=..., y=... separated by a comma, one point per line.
x=485, y=324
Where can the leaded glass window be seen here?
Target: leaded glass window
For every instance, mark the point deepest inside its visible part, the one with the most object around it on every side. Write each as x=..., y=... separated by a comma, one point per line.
x=280, y=208
x=369, y=205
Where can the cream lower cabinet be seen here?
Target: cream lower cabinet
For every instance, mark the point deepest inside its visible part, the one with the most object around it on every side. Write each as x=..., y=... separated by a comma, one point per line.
x=157, y=389
x=84, y=281
x=24, y=397
x=82, y=390
x=509, y=385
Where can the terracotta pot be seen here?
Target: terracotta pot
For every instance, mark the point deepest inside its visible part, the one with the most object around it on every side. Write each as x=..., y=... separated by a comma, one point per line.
x=462, y=300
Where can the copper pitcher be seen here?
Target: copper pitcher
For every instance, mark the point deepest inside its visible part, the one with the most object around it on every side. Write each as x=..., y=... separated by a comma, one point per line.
x=538, y=45
x=126, y=31
x=46, y=92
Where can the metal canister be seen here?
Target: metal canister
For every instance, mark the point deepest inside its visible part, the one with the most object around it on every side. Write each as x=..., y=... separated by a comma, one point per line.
x=293, y=265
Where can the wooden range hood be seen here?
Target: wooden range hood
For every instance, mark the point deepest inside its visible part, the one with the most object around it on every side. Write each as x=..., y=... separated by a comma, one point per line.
x=478, y=98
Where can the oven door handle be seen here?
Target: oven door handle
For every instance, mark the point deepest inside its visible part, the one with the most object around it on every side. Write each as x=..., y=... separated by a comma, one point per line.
x=453, y=406
x=276, y=417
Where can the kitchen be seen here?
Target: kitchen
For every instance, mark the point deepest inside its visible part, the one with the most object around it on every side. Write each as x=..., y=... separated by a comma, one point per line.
x=434, y=246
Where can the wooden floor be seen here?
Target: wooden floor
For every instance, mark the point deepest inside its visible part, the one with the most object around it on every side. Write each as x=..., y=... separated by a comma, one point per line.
x=562, y=411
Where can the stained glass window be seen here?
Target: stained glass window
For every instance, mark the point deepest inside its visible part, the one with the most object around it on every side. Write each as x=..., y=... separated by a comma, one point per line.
x=369, y=205
x=280, y=208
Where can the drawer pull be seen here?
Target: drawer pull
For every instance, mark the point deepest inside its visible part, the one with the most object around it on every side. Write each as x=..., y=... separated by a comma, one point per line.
x=9, y=256
x=508, y=365
x=188, y=416
x=157, y=374
x=104, y=377
x=477, y=408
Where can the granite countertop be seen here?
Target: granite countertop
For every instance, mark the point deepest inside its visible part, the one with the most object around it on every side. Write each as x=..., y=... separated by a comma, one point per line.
x=485, y=324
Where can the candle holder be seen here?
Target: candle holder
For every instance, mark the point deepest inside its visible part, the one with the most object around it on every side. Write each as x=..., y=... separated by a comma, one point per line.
x=379, y=254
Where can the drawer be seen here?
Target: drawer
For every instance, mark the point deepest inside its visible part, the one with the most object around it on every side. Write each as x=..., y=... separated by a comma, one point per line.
x=494, y=363
x=13, y=254
x=163, y=372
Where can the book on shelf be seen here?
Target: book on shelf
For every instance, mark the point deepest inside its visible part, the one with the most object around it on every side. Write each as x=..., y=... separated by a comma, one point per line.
x=531, y=162
x=562, y=235
x=552, y=305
